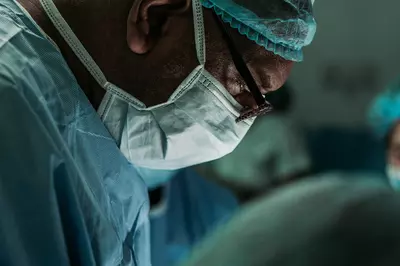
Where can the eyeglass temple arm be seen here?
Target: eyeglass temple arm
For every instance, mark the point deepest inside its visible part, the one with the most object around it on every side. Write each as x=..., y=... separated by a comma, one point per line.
x=240, y=64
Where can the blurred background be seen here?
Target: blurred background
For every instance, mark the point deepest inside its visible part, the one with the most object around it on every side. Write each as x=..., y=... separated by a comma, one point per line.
x=355, y=54
x=320, y=126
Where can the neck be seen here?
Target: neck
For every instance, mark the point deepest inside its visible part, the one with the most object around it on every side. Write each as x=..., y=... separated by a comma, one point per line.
x=94, y=23
x=102, y=29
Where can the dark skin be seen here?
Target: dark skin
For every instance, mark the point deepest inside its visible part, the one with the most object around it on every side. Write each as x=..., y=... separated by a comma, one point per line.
x=146, y=47
x=393, y=149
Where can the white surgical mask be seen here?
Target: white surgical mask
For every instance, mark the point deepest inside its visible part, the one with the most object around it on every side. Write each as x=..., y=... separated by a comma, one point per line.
x=393, y=174
x=197, y=123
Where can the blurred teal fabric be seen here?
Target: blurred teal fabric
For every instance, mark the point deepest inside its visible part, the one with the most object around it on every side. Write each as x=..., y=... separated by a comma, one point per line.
x=332, y=220
x=194, y=208
x=385, y=109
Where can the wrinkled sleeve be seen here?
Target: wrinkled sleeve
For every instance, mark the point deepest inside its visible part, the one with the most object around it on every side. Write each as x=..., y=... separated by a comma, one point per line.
x=35, y=185
x=141, y=240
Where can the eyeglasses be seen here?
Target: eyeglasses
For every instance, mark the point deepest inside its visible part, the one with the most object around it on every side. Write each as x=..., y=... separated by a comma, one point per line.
x=263, y=106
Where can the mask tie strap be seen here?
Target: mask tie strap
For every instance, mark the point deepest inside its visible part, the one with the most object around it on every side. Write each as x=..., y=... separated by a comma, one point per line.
x=199, y=31
x=72, y=40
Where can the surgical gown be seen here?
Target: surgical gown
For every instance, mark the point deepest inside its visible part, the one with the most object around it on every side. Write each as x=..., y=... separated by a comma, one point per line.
x=194, y=207
x=67, y=194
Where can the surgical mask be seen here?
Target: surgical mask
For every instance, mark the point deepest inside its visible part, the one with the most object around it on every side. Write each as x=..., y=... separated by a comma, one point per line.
x=393, y=173
x=197, y=123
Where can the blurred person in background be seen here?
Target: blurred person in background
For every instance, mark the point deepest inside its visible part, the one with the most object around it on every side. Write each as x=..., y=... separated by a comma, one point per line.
x=329, y=220
x=384, y=118
x=273, y=153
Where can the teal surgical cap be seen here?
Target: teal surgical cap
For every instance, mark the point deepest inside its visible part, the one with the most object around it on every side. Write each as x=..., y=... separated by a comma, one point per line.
x=385, y=109
x=283, y=27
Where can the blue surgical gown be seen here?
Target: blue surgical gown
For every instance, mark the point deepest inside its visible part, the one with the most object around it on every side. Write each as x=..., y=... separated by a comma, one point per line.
x=67, y=194
x=194, y=208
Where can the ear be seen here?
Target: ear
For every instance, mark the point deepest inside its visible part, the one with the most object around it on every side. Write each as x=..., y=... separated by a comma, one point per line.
x=148, y=20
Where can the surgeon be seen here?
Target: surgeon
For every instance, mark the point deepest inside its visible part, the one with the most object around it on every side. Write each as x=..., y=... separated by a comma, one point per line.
x=330, y=220
x=93, y=92
x=384, y=117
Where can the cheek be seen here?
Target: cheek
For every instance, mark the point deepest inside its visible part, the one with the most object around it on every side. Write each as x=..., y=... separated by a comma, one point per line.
x=282, y=73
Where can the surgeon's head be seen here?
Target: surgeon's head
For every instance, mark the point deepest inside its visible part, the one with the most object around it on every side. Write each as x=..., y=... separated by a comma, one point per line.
x=184, y=78
x=147, y=47
x=178, y=51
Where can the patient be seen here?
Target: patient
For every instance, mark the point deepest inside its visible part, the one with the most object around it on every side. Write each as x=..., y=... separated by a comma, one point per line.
x=327, y=221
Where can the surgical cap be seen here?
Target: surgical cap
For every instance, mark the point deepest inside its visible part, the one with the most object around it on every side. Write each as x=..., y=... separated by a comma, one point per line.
x=385, y=109
x=283, y=27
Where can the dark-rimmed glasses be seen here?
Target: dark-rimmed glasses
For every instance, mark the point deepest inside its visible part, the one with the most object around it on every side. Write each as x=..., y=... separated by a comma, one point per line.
x=263, y=106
